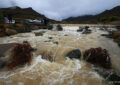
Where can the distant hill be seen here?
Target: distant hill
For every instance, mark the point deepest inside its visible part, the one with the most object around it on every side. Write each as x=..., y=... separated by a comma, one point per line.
x=23, y=13
x=107, y=17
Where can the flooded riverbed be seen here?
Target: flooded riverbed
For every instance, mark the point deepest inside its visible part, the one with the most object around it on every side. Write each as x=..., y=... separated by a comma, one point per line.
x=62, y=71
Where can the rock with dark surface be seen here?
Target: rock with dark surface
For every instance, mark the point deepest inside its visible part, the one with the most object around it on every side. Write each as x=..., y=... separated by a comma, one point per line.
x=56, y=43
x=50, y=27
x=98, y=56
x=50, y=37
x=74, y=54
x=39, y=33
x=112, y=76
x=86, y=30
x=21, y=54
x=11, y=32
x=80, y=29
x=5, y=47
x=2, y=64
x=59, y=28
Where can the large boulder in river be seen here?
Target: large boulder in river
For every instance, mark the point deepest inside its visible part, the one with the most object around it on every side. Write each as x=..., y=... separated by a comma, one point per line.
x=10, y=31
x=50, y=27
x=98, y=56
x=74, y=54
x=59, y=28
x=21, y=54
x=4, y=48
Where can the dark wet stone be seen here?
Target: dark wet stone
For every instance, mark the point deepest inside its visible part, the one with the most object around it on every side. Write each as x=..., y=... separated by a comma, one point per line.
x=80, y=29
x=112, y=76
x=50, y=37
x=59, y=28
x=74, y=54
x=55, y=43
x=39, y=33
x=5, y=47
x=50, y=27
x=65, y=35
x=2, y=64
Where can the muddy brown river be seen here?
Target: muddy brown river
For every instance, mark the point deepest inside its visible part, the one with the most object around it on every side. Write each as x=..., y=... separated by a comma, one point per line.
x=62, y=71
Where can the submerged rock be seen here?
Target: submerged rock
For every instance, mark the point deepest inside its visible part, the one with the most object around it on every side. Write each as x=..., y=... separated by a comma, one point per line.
x=74, y=54
x=98, y=56
x=39, y=33
x=59, y=28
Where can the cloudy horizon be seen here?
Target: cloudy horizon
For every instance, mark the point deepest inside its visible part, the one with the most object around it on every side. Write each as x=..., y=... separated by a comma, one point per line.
x=61, y=9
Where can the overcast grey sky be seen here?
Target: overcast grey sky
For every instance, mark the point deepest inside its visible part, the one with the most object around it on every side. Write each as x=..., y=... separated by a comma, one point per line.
x=60, y=9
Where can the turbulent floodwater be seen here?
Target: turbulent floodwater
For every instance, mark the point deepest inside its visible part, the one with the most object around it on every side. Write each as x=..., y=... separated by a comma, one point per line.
x=61, y=71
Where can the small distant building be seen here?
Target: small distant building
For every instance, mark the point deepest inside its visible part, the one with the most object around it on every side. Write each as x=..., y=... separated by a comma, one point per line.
x=7, y=20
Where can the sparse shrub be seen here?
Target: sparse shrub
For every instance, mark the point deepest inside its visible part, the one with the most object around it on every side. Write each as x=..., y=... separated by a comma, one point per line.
x=21, y=54
x=98, y=56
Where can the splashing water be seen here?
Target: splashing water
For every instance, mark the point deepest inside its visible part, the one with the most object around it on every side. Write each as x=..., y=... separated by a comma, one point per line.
x=62, y=71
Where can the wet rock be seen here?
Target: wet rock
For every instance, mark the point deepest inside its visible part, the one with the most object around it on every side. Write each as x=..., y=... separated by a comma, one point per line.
x=80, y=29
x=86, y=30
x=112, y=76
x=2, y=64
x=59, y=28
x=10, y=31
x=47, y=41
x=50, y=37
x=55, y=43
x=5, y=47
x=65, y=35
x=21, y=54
x=50, y=27
x=39, y=33
x=98, y=56
x=74, y=54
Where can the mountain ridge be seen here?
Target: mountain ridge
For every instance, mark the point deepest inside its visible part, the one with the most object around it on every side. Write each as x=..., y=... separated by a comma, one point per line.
x=106, y=17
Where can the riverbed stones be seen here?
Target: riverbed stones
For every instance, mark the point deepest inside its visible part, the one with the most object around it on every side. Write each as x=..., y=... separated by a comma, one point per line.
x=74, y=54
x=98, y=56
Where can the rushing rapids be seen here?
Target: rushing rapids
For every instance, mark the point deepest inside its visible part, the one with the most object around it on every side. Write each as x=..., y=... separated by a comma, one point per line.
x=57, y=69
